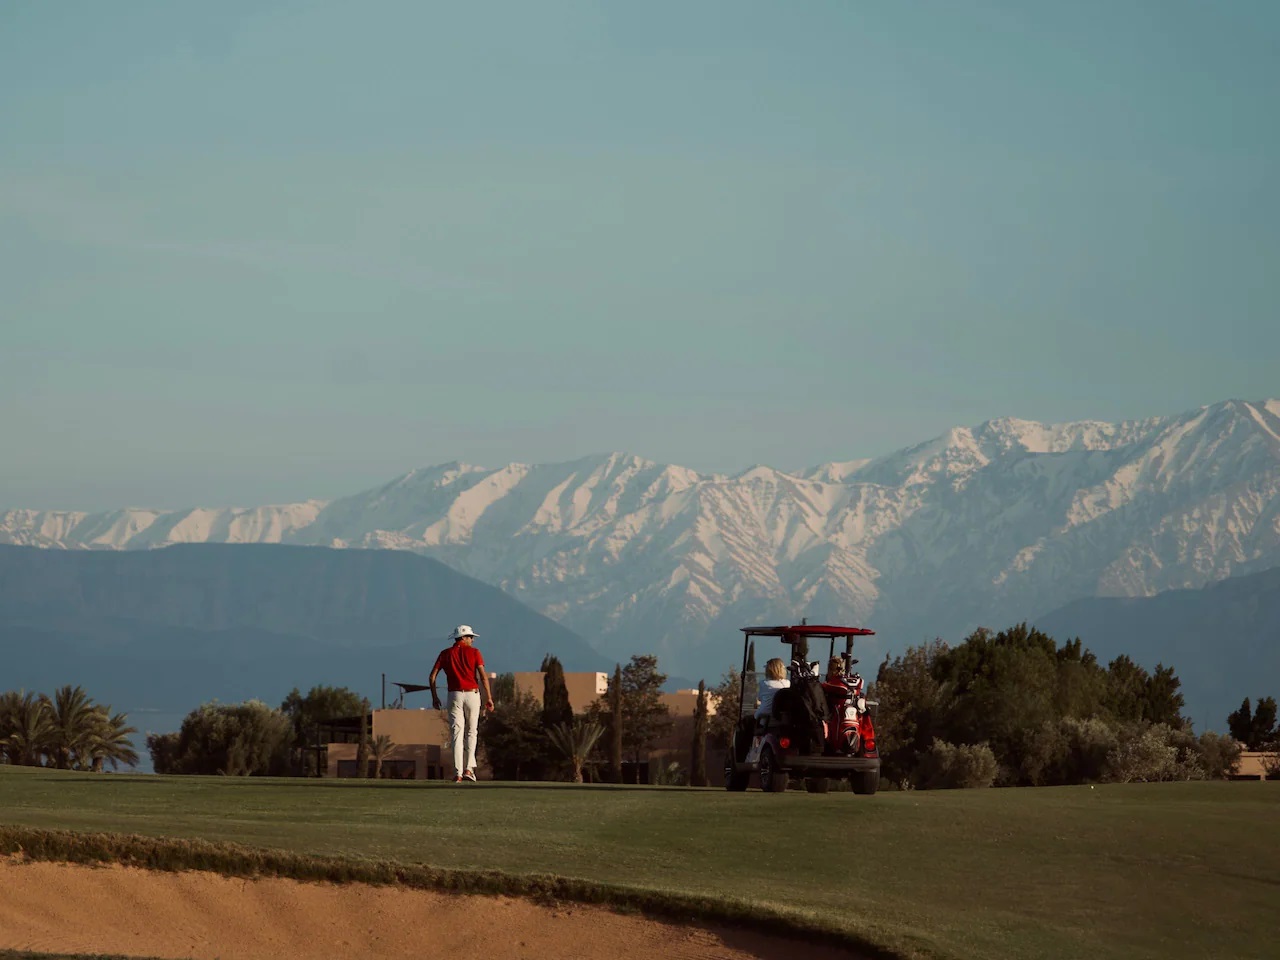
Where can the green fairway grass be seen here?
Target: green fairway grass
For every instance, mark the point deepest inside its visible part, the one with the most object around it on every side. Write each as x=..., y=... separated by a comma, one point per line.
x=1159, y=870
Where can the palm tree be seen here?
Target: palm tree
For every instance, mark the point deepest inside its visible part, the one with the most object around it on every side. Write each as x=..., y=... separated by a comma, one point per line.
x=575, y=742
x=73, y=717
x=107, y=742
x=27, y=728
x=380, y=748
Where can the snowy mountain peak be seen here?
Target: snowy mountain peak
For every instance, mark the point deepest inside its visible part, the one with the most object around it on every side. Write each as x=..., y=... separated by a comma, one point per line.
x=981, y=525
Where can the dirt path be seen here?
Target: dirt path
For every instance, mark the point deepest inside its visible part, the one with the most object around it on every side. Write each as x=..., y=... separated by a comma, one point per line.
x=62, y=908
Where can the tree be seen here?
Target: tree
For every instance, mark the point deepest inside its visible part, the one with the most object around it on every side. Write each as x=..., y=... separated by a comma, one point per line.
x=1162, y=700
x=362, y=748
x=163, y=748
x=615, y=725
x=504, y=688
x=1219, y=755
x=26, y=729
x=513, y=739
x=555, y=694
x=320, y=704
x=379, y=749
x=698, y=763
x=1254, y=728
x=912, y=709
x=1127, y=689
x=242, y=739
x=724, y=696
x=645, y=717
x=71, y=714
x=108, y=741
x=574, y=742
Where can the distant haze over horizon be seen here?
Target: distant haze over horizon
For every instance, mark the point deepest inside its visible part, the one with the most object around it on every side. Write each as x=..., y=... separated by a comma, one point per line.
x=840, y=465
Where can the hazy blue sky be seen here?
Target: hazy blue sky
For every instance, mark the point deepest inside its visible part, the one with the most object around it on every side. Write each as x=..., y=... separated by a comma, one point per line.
x=256, y=252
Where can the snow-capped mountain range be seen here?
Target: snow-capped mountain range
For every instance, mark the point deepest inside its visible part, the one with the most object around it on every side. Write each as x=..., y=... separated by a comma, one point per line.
x=985, y=525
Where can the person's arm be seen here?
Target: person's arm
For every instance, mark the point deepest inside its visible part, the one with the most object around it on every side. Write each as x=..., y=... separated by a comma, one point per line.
x=435, y=697
x=483, y=676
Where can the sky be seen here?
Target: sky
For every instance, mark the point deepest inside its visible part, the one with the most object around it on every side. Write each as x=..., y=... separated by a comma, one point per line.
x=259, y=252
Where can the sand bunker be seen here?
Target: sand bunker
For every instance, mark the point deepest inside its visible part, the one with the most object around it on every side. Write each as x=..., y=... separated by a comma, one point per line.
x=63, y=908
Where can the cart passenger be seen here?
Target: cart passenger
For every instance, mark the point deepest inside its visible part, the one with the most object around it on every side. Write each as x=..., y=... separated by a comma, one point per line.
x=835, y=670
x=775, y=679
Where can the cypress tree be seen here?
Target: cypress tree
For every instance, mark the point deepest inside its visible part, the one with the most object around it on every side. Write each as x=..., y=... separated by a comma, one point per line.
x=555, y=694
x=362, y=750
x=615, y=726
x=698, y=768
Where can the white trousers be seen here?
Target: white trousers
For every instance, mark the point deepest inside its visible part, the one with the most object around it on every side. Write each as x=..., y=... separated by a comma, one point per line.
x=464, y=716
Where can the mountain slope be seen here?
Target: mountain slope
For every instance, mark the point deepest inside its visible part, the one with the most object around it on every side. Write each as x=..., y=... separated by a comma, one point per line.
x=168, y=628
x=1224, y=638
x=986, y=525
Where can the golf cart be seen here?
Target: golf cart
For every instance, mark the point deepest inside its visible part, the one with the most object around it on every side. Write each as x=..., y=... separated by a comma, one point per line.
x=819, y=727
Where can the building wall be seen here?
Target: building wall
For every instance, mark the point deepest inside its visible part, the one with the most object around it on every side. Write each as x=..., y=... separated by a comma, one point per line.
x=420, y=736
x=584, y=687
x=427, y=759
x=1251, y=766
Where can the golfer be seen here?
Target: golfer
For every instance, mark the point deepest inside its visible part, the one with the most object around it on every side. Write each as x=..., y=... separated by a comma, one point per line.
x=464, y=671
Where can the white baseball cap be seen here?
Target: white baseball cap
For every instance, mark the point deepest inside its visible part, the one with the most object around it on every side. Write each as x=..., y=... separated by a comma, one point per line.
x=462, y=631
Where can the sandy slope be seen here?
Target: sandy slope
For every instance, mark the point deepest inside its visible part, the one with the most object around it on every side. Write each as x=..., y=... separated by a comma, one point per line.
x=52, y=907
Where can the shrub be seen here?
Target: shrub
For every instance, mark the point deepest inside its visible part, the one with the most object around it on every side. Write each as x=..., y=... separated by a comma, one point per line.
x=1219, y=755
x=946, y=766
x=241, y=739
x=1154, y=752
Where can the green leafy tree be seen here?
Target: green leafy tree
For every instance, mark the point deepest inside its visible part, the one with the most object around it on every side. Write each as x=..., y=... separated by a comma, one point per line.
x=321, y=703
x=556, y=708
x=1256, y=729
x=1126, y=689
x=107, y=741
x=573, y=742
x=72, y=716
x=698, y=761
x=913, y=709
x=645, y=717
x=724, y=698
x=1001, y=688
x=513, y=739
x=26, y=729
x=1219, y=755
x=243, y=739
x=163, y=748
x=1162, y=700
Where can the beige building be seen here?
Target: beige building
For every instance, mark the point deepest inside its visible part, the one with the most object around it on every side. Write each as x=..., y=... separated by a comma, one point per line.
x=421, y=739
x=584, y=688
x=1253, y=766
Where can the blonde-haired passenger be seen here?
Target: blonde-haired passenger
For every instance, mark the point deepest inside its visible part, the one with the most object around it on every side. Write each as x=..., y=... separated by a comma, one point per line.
x=775, y=679
x=835, y=670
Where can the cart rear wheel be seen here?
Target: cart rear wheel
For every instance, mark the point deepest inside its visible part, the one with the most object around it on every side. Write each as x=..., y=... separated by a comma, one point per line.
x=866, y=782
x=772, y=780
x=733, y=780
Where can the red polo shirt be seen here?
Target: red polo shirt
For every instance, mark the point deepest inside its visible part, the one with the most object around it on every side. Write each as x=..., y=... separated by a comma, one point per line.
x=459, y=664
